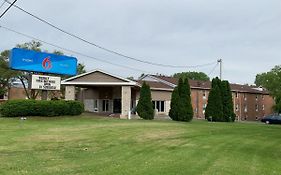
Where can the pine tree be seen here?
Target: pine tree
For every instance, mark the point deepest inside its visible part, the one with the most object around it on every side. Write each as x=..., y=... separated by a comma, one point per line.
x=174, y=111
x=214, y=109
x=186, y=102
x=181, y=108
x=182, y=100
x=145, y=107
x=228, y=111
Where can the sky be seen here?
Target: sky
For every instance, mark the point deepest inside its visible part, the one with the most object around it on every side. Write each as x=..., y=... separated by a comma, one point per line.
x=245, y=34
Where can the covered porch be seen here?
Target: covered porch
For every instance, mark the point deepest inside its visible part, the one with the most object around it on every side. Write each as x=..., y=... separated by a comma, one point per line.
x=103, y=93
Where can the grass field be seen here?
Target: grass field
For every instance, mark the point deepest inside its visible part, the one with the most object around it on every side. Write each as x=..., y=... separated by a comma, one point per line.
x=91, y=145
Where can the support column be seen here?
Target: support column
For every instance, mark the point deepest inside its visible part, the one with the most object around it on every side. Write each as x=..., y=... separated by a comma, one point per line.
x=69, y=92
x=125, y=101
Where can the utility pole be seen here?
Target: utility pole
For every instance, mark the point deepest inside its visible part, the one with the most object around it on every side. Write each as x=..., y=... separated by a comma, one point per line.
x=220, y=62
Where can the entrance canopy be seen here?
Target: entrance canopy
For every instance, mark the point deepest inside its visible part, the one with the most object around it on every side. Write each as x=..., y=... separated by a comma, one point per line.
x=102, y=92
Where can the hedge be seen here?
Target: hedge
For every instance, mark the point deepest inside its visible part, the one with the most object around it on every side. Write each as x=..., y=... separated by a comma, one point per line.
x=22, y=108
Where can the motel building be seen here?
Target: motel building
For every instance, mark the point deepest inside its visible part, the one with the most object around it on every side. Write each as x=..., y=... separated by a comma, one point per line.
x=109, y=94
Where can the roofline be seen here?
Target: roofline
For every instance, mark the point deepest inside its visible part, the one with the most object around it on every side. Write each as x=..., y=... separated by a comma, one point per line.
x=100, y=83
x=98, y=70
x=159, y=79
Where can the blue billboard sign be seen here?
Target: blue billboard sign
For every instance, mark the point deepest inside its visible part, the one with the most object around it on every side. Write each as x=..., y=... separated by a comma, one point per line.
x=28, y=60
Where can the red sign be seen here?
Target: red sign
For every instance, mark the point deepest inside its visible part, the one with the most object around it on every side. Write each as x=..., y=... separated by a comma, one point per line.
x=46, y=63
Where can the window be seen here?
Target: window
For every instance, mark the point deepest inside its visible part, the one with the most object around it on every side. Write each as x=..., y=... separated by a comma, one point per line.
x=236, y=94
x=204, y=94
x=245, y=108
x=204, y=107
x=257, y=97
x=257, y=107
x=263, y=107
x=262, y=96
x=159, y=105
x=96, y=109
x=245, y=97
x=237, y=108
x=105, y=105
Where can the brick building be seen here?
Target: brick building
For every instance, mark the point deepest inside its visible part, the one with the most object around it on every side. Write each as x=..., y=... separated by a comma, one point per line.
x=106, y=93
x=14, y=93
x=250, y=102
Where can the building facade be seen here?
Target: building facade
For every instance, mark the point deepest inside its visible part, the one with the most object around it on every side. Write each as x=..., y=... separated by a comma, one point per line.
x=14, y=93
x=105, y=93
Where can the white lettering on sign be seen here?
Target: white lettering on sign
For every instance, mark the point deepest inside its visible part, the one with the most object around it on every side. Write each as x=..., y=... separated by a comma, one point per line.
x=43, y=82
x=27, y=60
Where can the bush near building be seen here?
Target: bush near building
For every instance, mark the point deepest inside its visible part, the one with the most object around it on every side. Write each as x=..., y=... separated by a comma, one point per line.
x=22, y=108
x=181, y=107
x=145, y=106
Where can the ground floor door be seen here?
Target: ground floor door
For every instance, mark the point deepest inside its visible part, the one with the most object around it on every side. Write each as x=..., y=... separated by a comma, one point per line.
x=117, y=106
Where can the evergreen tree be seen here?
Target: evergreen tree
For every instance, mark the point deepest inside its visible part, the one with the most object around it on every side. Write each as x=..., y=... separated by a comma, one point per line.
x=182, y=101
x=186, y=110
x=145, y=107
x=228, y=111
x=214, y=107
x=181, y=108
x=174, y=111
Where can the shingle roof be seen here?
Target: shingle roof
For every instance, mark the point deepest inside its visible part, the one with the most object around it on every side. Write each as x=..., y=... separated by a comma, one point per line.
x=156, y=85
x=196, y=84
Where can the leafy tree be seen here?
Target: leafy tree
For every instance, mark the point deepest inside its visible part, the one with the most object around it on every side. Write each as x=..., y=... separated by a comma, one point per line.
x=5, y=73
x=214, y=107
x=81, y=69
x=24, y=76
x=33, y=45
x=145, y=107
x=192, y=76
x=228, y=111
x=181, y=107
x=277, y=107
x=272, y=82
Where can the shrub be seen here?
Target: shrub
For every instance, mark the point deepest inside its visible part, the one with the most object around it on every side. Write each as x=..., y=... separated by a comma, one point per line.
x=145, y=107
x=20, y=108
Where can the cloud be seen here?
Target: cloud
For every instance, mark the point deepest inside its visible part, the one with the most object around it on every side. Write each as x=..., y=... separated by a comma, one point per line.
x=245, y=34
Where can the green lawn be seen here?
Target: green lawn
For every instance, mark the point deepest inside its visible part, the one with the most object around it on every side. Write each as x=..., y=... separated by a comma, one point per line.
x=91, y=145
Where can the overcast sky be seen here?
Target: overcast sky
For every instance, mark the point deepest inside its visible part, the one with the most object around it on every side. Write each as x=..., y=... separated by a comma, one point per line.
x=246, y=34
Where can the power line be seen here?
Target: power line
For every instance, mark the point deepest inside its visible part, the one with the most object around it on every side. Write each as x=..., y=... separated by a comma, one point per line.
x=106, y=49
x=11, y=4
x=72, y=51
x=213, y=69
